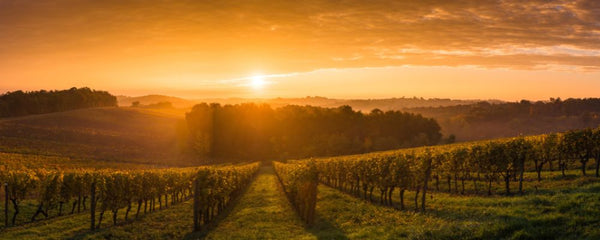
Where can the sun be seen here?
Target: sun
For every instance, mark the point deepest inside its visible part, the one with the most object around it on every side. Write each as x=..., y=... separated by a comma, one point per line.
x=257, y=82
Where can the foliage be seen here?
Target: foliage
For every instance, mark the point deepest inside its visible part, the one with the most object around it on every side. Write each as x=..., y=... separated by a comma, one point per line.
x=21, y=103
x=215, y=187
x=360, y=175
x=300, y=181
x=487, y=161
x=489, y=120
x=249, y=131
x=113, y=190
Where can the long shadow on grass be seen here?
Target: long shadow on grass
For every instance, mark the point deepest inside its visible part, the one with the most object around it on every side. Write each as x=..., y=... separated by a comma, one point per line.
x=495, y=225
x=502, y=226
x=535, y=216
x=108, y=225
x=321, y=228
x=324, y=229
x=24, y=224
x=553, y=217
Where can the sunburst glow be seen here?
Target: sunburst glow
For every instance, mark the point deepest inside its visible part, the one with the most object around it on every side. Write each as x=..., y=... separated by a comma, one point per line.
x=257, y=82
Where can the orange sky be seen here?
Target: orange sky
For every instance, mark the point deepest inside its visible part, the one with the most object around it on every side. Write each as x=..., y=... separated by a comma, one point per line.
x=343, y=48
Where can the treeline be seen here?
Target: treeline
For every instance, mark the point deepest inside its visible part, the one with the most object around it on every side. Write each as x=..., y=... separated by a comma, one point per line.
x=485, y=111
x=483, y=163
x=486, y=120
x=250, y=131
x=19, y=103
x=158, y=105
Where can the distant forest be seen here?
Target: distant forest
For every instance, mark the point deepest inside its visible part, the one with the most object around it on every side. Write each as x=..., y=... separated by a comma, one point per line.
x=504, y=111
x=19, y=103
x=484, y=120
x=250, y=131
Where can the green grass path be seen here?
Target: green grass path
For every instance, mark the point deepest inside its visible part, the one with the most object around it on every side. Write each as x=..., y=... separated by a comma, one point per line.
x=263, y=212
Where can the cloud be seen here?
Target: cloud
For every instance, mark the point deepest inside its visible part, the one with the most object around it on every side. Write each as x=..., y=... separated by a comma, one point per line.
x=295, y=36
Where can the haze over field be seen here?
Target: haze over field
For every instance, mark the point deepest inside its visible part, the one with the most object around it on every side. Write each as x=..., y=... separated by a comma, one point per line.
x=507, y=50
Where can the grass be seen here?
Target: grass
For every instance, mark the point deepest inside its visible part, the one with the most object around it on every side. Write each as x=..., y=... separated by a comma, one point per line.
x=174, y=222
x=53, y=228
x=28, y=207
x=262, y=213
x=557, y=211
x=551, y=181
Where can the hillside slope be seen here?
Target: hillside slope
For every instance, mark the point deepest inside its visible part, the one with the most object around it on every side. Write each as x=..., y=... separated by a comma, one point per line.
x=107, y=134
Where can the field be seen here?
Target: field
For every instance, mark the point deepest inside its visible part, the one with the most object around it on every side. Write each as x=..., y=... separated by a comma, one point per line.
x=560, y=209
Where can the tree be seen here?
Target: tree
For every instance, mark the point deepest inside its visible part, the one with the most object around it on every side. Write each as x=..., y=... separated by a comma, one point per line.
x=250, y=131
x=21, y=103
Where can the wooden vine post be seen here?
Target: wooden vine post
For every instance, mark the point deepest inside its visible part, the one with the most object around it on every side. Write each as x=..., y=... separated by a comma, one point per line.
x=196, y=205
x=93, y=206
x=427, y=175
x=6, y=204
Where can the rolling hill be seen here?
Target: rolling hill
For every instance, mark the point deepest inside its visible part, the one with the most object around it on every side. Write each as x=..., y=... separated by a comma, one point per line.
x=365, y=105
x=99, y=134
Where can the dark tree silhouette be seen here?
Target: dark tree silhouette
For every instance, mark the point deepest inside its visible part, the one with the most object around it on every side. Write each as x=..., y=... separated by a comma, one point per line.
x=21, y=103
x=250, y=131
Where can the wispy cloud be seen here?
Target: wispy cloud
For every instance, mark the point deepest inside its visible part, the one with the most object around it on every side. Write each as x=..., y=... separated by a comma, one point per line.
x=235, y=37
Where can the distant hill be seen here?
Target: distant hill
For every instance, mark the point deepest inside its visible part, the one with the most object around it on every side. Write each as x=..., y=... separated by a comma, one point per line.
x=126, y=101
x=365, y=105
x=99, y=134
x=485, y=121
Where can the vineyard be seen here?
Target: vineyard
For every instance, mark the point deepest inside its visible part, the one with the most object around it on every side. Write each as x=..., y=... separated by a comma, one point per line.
x=482, y=163
x=70, y=192
x=468, y=187
x=299, y=120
